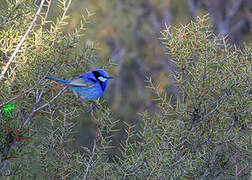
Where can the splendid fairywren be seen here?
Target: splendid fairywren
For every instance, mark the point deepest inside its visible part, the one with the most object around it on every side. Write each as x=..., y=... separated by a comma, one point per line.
x=88, y=86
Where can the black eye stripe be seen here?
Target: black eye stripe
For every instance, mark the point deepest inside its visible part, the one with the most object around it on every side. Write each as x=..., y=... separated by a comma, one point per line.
x=97, y=75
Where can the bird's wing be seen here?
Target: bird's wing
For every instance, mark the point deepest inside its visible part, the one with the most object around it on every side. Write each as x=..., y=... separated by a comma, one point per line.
x=80, y=82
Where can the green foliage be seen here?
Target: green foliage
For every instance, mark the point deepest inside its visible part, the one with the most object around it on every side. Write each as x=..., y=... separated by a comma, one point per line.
x=37, y=137
x=207, y=132
x=204, y=132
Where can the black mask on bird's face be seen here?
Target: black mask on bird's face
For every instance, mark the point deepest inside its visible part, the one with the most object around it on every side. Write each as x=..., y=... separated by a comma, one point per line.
x=102, y=78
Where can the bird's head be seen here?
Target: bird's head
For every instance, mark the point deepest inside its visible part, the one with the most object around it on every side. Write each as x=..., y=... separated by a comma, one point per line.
x=102, y=77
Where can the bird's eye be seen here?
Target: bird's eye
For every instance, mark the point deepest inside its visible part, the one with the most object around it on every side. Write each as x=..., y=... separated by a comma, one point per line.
x=102, y=79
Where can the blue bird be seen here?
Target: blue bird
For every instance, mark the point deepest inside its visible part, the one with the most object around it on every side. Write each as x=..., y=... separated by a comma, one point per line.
x=88, y=86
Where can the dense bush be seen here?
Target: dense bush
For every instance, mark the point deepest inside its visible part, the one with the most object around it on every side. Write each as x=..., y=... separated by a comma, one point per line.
x=203, y=132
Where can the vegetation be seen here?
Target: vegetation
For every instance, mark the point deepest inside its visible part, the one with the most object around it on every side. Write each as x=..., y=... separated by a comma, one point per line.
x=203, y=131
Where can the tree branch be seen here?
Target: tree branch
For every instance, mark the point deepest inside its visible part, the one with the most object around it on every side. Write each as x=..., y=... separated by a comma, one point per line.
x=43, y=106
x=90, y=159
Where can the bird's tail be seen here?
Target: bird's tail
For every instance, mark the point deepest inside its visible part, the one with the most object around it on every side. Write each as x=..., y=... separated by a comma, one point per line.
x=57, y=79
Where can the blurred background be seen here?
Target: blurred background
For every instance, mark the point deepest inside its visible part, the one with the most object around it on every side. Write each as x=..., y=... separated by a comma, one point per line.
x=127, y=32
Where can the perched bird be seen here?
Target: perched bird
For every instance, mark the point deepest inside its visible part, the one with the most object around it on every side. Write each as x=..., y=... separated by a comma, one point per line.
x=88, y=86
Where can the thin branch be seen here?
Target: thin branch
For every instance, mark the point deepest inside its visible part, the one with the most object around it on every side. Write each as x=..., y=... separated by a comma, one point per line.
x=216, y=107
x=18, y=96
x=160, y=98
x=22, y=40
x=90, y=160
x=29, y=90
x=244, y=168
x=154, y=168
x=64, y=13
x=48, y=8
x=127, y=139
x=43, y=106
x=211, y=164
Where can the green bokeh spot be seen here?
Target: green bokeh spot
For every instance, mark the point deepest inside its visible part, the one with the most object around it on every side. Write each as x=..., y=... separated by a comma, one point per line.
x=7, y=109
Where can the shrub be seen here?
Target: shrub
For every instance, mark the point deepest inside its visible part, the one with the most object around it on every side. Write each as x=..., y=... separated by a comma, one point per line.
x=204, y=134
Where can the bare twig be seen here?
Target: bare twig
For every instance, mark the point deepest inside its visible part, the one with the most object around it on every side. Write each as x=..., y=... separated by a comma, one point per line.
x=27, y=91
x=66, y=8
x=16, y=97
x=243, y=169
x=41, y=107
x=216, y=107
x=90, y=160
x=22, y=40
x=160, y=98
x=127, y=139
x=211, y=164
x=48, y=7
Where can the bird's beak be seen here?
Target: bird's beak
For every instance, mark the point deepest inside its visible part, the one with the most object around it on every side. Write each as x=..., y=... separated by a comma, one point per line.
x=110, y=77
